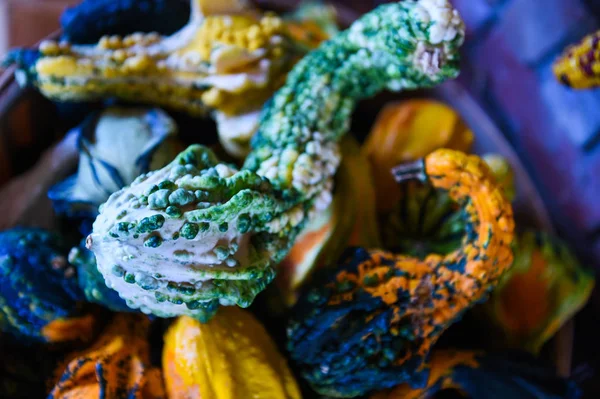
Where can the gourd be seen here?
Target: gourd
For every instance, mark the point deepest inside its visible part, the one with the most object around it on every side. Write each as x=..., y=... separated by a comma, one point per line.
x=415, y=218
x=426, y=220
x=88, y=21
x=199, y=233
x=91, y=281
x=115, y=146
x=504, y=174
x=349, y=220
x=230, y=357
x=406, y=131
x=546, y=286
x=578, y=66
x=39, y=295
x=370, y=322
x=116, y=366
x=477, y=375
x=228, y=60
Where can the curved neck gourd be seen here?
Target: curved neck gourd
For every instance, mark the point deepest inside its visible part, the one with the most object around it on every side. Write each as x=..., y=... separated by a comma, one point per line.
x=199, y=233
x=321, y=93
x=371, y=321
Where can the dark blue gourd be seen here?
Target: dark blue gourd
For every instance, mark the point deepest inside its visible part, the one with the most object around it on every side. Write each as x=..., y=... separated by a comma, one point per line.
x=39, y=292
x=87, y=22
x=475, y=375
x=92, y=282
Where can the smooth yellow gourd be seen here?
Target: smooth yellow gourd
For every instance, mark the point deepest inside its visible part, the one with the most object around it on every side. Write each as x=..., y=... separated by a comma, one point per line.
x=230, y=357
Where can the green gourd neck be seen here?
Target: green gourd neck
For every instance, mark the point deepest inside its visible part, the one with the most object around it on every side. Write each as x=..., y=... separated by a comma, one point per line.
x=323, y=90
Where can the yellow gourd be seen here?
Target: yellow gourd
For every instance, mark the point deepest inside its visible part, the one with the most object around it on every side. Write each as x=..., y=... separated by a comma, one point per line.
x=407, y=131
x=230, y=357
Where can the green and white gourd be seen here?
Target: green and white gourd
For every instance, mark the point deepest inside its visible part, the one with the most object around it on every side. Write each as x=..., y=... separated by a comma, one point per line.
x=199, y=233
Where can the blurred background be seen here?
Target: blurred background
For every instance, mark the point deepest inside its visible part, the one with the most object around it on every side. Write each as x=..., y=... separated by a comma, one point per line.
x=507, y=67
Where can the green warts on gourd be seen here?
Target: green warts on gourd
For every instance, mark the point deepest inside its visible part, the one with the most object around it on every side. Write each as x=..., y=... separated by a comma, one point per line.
x=222, y=230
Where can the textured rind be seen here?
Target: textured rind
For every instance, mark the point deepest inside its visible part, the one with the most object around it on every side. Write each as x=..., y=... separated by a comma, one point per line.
x=287, y=176
x=371, y=322
x=230, y=357
x=349, y=220
x=579, y=66
x=213, y=249
x=88, y=21
x=183, y=71
x=116, y=366
x=487, y=376
x=91, y=281
x=38, y=288
x=427, y=221
x=546, y=286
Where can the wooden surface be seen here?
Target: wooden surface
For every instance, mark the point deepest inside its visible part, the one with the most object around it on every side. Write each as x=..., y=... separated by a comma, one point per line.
x=24, y=22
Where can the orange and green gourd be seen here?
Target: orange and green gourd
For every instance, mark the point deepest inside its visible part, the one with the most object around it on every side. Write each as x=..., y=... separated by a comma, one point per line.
x=545, y=288
x=478, y=375
x=39, y=294
x=230, y=357
x=370, y=322
x=414, y=218
x=579, y=66
x=116, y=366
x=200, y=233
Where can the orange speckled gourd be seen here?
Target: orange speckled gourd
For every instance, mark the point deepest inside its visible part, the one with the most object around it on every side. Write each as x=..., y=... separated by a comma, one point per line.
x=230, y=357
x=117, y=366
x=370, y=323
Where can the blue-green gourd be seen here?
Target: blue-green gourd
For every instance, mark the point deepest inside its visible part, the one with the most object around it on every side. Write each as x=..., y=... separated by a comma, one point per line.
x=200, y=233
x=39, y=294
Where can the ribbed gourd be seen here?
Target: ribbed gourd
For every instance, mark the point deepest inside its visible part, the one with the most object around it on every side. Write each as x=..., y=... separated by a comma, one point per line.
x=478, y=375
x=228, y=60
x=579, y=66
x=545, y=288
x=115, y=146
x=199, y=233
x=230, y=357
x=116, y=366
x=39, y=295
x=414, y=218
x=370, y=322
x=426, y=220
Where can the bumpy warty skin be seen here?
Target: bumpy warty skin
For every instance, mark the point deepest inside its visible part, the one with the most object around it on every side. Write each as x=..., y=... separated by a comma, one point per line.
x=91, y=281
x=196, y=234
x=370, y=321
x=38, y=288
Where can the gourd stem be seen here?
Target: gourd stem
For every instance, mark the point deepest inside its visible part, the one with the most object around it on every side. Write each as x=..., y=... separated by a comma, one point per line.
x=410, y=171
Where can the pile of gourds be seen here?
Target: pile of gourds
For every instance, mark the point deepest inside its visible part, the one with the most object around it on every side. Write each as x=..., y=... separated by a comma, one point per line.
x=375, y=249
